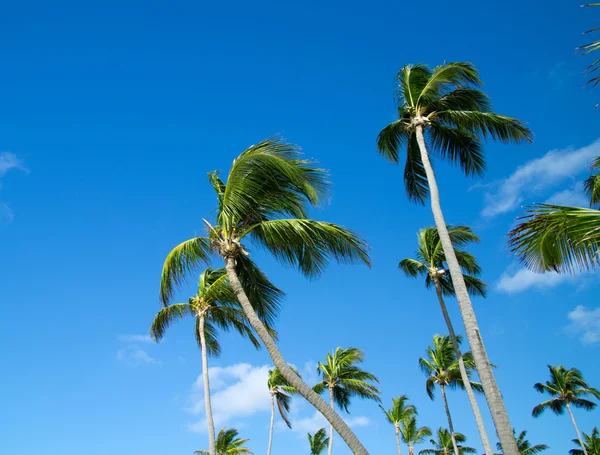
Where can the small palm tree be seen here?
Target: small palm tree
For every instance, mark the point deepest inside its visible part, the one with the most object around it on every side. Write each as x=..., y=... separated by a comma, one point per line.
x=525, y=447
x=445, y=445
x=443, y=109
x=215, y=307
x=344, y=379
x=265, y=200
x=281, y=392
x=591, y=47
x=441, y=368
x=399, y=412
x=228, y=443
x=591, y=442
x=430, y=262
x=318, y=442
x=412, y=434
x=568, y=389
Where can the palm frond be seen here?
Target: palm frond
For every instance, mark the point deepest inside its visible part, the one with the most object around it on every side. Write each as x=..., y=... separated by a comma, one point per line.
x=412, y=267
x=392, y=138
x=415, y=178
x=459, y=147
x=412, y=79
x=446, y=77
x=166, y=316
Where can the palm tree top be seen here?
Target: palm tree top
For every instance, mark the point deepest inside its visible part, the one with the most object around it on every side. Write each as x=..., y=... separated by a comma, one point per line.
x=443, y=444
x=591, y=443
x=318, y=442
x=410, y=433
x=281, y=390
x=228, y=443
x=400, y=410
x=524, y=446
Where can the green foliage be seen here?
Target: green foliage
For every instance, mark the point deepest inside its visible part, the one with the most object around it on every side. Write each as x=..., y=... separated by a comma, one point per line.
x=588, y=48
x=228, y=443
x=281, y=391
x=591, y=443
x=410, y=433
x=524, y=446
x=443, y=444
x=318, y=442
x=399, y=411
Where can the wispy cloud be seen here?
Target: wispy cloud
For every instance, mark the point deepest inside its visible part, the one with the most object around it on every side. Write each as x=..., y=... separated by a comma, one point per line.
x=585, y=323
x=134, y=357
x=8, y=161
x=316, y=421
x=573, y=197
x=524, y=279
x=135, y=338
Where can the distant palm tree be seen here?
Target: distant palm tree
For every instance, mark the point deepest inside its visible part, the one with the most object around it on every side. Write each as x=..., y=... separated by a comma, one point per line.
x=398, y=413
x=568, y=388
x=430, y=262
x=345, y=379
x=215, y=307
x=525, y=447
x=411, y=434
x=591, y=47
x=443, y=445
x=318, y=442
x=590, y=442
x=228, y=443
x=281, y=392
x=441, y=368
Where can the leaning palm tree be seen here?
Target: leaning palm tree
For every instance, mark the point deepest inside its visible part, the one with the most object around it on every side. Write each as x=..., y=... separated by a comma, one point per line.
x=281, y=392
x=568, y=389
x=591, y=47
x=344, y=379
x=215, y=307
x=441, y=368
x=445, y=445
x=430, y=261
x=265, y=200
x=318, y=442
x=591, y=442
x=412, y=434
x=525, y=447
x=228, y=443
x=398, y=413
x=444, y=108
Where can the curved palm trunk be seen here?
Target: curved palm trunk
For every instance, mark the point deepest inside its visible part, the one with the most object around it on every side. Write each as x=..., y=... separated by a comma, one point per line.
x=332, y=404
x=450, y=425
x=490, y=388
x=463, y=371
x=207, y=405
x=272, y=423
x=294, y=380
x=398, y=442
x=577, y=430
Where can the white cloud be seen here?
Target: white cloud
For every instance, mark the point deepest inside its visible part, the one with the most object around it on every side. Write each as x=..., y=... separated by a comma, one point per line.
x=537, y=176
x=133, y=356
x=573, y=197
x=525, y=279
x=316, y=421
x=10, y=161
x=135, y=338
x=6, y=212
x=585, y=323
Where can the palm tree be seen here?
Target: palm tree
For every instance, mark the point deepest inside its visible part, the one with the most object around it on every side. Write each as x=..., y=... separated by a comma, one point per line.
x=281, y=392
x=444, y=108
x=591, y=47
x=568, y=389
x=430, y=262
x=525, y=447
x=399, y=412
x=215, y=307
x=590, y=442
x=441, y=368
x=228, y=443
x=411, y=434
x=318, y=442
x=345, y=379
x=265, y=199
x=445, y=445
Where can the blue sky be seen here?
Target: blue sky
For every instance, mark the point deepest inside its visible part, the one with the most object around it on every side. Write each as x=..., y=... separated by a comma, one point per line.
x=111, y=116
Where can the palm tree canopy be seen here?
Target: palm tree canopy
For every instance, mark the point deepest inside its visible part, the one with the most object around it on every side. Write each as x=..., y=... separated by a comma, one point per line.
x=591, y=47
x=281, y=391
x=228, y=443
x=318, y=442
x=524, y=446
x=399, y=411
x=567, y=387
x=591, y=443
x=410, y=433
x=456, y=116
x=430, y=257
x=443, y=444
x=341, y=373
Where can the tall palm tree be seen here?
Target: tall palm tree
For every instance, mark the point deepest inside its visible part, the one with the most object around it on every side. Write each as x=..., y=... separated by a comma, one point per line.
x=430, y=261
x=344, y=379
x=228, y=443
x=399, y=412
x=591, y=47
x=215, y=307
x=265, y=200
x=568, y=389
x=318, y=442
x=525, y=447
x=445, y=445
x=441, y=368
x=444, y=108
x=591, y=442
x=412, y=434
x=281, y=392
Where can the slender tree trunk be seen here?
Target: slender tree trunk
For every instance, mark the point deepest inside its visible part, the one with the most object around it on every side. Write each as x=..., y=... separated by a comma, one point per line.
x=332, y=404
x=398, y=441
x=463, y=371
x=450, y=425
x=576, y=430
x=207, y=406
x=272, y=423
x=411, y=450
x=490, y=388
x=294, y=380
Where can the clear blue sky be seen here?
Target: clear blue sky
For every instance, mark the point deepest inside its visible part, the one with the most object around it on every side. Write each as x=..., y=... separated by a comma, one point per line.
x=113, y=112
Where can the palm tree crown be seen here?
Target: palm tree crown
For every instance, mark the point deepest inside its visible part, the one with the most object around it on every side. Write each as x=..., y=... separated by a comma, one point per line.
x=281, y=391
x=591, y=443
x=592, y=47
x=399, y=411
x=412, y=434
x=228, y=443
x=525, y=447
x=318, y=442
x=443, y=444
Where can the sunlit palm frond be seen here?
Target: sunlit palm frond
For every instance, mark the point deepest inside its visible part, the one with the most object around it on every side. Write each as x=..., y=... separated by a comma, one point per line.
x=318, y=442
x=166, y=316
x=459, y=147
x=392, y=139
x=412, y=79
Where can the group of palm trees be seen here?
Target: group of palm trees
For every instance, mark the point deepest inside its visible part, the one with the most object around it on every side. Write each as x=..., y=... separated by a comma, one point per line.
x=264, y=200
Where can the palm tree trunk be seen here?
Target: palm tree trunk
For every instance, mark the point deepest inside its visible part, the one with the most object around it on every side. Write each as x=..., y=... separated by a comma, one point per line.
x=272, y=423
x=207, y=406
x=450, y=425
x=490, y=388
x=411, y=450
x=463, y=371
x=577, y=430
x=332, y=404
x=294, y=380
x=398, y=442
